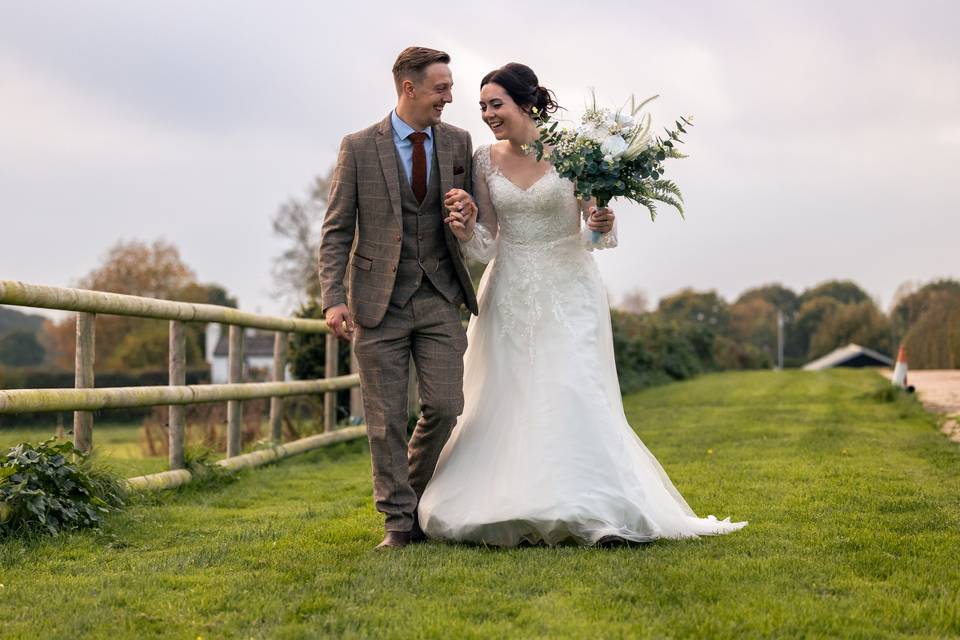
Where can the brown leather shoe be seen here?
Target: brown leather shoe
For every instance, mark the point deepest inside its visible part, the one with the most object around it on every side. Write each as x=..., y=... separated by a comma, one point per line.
x=394, y=540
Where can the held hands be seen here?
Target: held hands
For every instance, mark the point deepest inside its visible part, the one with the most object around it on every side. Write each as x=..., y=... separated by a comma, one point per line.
x=461, y=213
x=340, y=322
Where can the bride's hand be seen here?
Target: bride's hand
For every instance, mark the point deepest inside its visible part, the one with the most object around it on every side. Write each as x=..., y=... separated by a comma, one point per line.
x=601, y=220
x=462, y=214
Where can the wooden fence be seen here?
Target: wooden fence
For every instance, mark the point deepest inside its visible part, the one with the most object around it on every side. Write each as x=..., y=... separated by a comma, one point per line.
x=86, y=398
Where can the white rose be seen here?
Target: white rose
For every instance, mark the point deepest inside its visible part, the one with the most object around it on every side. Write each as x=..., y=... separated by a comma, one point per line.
x=596, y=133
x=614, y=146
x=626, y=121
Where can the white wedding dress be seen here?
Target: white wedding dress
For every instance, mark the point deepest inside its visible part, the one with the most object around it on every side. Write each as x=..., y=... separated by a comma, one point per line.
x=543, y=451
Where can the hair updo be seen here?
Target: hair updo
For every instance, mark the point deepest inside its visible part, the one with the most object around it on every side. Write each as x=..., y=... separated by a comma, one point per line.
x=521, y=84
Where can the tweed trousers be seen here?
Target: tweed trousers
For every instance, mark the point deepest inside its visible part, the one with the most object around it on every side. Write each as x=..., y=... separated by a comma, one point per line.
x=427, y=328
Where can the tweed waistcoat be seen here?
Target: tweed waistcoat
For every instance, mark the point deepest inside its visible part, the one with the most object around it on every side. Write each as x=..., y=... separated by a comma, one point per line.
x=423, y=252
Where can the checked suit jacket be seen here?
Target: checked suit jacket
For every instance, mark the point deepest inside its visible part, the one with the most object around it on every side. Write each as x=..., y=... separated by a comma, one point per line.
x=362, y=232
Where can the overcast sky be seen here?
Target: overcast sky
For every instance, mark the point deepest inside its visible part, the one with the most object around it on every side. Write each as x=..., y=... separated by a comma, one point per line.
x=827, y=139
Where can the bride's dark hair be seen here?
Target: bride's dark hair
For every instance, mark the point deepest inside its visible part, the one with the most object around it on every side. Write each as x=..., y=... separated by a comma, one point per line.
x=522, y=85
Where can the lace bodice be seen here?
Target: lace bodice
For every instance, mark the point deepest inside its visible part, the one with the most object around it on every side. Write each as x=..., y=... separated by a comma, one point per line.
x=545, y=213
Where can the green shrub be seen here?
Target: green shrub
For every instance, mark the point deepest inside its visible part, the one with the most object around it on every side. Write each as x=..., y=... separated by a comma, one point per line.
x=43, y=492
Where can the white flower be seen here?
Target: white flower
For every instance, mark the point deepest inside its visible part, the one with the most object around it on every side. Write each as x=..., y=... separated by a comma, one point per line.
x=594, y=132
x=614, y=146
x=626, y=121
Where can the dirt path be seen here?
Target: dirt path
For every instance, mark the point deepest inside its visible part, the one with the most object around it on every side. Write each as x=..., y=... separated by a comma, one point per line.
x=939, y=390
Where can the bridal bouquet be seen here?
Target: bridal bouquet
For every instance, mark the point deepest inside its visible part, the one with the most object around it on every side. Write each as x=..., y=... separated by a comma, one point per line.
x=612, y=154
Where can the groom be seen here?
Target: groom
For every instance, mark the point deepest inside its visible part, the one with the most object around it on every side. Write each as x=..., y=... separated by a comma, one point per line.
x=384, y=233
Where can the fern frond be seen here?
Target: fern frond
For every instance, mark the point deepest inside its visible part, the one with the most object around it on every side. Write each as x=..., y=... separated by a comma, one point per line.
x=667, y=186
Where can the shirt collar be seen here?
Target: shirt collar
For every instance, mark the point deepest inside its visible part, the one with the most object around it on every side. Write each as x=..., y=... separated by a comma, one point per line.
x=402, y=129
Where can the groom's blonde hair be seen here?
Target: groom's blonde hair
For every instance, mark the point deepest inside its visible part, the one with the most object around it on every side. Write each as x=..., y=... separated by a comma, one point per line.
x=413, y=61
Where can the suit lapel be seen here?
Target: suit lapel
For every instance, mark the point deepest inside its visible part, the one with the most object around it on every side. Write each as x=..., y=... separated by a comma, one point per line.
x=387, y=152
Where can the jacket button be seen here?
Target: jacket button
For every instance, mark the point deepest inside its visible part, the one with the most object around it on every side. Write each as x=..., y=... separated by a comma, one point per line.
x=393, y=268
x=398, y=237
x=419, y=236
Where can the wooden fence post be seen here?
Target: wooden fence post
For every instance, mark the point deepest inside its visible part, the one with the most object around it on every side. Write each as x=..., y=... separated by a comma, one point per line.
x=279, y=371
x=356, y=400
x=234, y=407
x=176, y=417
x=332, y=351
x=83, y=368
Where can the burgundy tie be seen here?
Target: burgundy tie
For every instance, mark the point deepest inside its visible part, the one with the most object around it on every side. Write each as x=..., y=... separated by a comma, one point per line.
x=419, y=183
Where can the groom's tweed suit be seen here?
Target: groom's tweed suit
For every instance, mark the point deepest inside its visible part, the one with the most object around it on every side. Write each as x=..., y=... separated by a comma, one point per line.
x=406, y=280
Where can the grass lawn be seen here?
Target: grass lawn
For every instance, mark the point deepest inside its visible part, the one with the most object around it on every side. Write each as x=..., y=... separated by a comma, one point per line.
x=853, y=503
x=116, y=446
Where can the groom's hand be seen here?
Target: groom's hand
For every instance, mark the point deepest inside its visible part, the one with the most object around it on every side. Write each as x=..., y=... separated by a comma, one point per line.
x=339, y=320
x=461, y=213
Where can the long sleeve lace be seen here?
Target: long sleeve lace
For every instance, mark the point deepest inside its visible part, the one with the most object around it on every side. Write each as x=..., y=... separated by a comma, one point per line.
x=482, y=247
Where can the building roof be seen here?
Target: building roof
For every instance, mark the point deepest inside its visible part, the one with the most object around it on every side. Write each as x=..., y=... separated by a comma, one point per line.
x=852, y=355
x=256, y=345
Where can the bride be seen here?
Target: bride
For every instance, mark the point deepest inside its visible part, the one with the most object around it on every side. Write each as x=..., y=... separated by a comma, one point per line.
x=542, y=451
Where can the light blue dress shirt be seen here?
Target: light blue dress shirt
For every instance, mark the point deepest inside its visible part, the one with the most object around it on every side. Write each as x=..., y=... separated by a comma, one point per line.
x=405, y=147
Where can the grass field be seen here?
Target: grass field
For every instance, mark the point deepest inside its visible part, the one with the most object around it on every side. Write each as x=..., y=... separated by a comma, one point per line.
x=853, y=503
x=116, y=446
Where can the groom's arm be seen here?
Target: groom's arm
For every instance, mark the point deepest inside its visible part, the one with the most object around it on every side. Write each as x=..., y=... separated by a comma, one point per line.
x=339, y=226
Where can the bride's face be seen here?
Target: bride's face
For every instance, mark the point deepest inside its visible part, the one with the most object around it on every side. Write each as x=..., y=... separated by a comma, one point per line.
x=504, y=117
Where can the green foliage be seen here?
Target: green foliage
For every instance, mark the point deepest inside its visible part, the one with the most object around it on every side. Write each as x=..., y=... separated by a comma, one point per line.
x=860, y=323
x=779, y=296
x=733, y=355
x=11, y=319
x=933, y=340
x=147, y=347
x=811, y=314
x=43, y=492
x=20, y=348
x=705, y=308
x=843, y=291
x=652, y=350
x=201, y=462
x=927, y=322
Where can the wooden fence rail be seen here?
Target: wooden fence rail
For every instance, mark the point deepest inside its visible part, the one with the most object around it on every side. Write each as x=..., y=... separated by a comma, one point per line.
x=86, y=398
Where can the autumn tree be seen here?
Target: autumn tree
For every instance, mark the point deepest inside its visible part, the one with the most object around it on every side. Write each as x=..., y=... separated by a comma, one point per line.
x=810, y=316
x=926, y=319
x=861, y=323
x=154, y=270
x=705, y=308
x=754, y=321
x=843, y=291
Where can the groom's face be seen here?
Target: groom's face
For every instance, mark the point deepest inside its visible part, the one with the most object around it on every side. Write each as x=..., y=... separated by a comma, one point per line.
x=428, y=97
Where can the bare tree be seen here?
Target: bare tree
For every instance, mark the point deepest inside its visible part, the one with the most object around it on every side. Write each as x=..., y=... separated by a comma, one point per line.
x=634, y=301
x=298, y=222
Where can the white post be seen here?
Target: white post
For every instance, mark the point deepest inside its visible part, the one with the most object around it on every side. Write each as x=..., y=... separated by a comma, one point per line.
x=83, y=368
x=279, y=368
x=235, y=407
x=178, y=378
